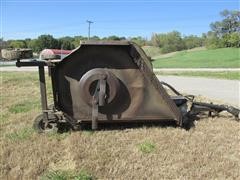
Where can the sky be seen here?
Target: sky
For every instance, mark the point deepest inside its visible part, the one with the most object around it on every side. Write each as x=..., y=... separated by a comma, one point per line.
x=22, y=19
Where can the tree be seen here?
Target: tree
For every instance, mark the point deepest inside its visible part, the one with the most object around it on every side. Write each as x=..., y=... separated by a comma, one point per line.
x=213, y=41
x=18, y=44
x=78, y=39
x=139, y=40
x=33, y=45
x=229, y=24
x=225, y=33
x=95, y=38
x=45, y=42
x=27, y=41
x=66, y=43
x=192, y=41
x=3, y=43
x=169, y=42
x=234, y=39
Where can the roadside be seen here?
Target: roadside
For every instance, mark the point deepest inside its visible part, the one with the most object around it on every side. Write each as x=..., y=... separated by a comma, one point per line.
x=230, y=74
x=224, y=90
x=216, y=73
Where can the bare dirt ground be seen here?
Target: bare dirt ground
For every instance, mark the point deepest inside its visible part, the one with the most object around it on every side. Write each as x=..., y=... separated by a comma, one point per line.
x=208, y=150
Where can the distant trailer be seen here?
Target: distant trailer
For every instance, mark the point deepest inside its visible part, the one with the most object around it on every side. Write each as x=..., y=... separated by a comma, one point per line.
x=49, y=54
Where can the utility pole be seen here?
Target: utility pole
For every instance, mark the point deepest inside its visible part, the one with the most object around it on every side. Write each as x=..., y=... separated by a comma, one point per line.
x=89, y=28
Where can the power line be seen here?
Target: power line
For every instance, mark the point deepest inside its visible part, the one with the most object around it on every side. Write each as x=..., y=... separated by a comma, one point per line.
x=89, y=28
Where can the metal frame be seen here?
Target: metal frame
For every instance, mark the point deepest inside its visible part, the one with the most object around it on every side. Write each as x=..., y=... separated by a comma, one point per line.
x=42, y=84
x=98, y=99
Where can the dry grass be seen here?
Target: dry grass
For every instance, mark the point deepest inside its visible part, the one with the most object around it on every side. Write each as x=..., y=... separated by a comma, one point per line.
x=210, y=150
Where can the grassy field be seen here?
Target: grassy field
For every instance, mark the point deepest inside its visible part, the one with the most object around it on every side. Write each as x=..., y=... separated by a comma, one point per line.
x=231, y=75
x=209, y=150
x=217, y=58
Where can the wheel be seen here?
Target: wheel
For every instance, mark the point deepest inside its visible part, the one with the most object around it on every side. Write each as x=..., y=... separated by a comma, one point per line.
x=187, y=122
x=39, y=125
x=51, y=107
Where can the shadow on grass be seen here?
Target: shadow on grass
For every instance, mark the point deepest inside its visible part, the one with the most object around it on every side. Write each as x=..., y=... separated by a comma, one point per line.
x=110, y=126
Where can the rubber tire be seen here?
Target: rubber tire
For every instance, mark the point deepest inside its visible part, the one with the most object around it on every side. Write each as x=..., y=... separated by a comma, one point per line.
x=38, y=125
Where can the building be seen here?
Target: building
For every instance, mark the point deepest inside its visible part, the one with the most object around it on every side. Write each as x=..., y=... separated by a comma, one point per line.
x=48, y=54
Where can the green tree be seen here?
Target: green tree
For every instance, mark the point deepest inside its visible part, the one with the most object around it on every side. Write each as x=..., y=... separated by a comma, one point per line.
x=27, y=41
x=18, y=44
x=192, y=41
x=113, y=38
x=3, y=43
x=225, y=33
x=95, y=38
x=78, y=39
x=139, y=40
x=45, y=42
x=33, y=45
x=229, y=24
x=234, y=39
x=66, y=43
x=169, y=42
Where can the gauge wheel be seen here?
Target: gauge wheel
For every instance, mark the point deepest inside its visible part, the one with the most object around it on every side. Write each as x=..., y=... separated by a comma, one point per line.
x=39, y=124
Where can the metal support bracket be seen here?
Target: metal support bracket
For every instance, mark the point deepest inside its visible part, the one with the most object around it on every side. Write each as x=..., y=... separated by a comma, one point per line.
x=99, y=99
x=43, y=94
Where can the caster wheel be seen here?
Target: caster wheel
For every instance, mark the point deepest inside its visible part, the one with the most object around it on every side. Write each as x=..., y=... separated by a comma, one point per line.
x=40, y=127
x=52, y=107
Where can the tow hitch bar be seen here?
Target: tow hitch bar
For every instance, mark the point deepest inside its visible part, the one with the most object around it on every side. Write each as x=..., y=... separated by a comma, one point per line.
x=197, y=108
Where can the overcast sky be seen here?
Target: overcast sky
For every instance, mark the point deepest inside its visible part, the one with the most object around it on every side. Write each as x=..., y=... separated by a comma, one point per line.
x=22, y=19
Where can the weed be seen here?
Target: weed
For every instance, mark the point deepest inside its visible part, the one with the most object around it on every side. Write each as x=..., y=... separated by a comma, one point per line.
x=147, y=147
x=3, y=118
x=66, y=175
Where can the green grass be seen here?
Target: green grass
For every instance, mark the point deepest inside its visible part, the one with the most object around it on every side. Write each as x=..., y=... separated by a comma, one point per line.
x=21, y=134
x=216, y=58
x=24, y=106
x=66, y=175
x=231, y=75
x=146, y=147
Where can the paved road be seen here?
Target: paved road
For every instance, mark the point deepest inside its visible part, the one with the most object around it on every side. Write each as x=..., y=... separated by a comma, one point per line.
x=223, y=90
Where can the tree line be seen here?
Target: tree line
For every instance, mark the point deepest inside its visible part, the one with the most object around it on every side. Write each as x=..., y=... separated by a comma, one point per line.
x=224, y=33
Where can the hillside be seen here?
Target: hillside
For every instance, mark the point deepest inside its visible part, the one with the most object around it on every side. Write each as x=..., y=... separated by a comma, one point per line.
x=216, y=58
